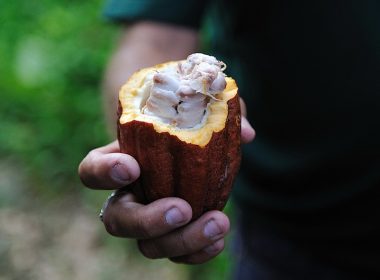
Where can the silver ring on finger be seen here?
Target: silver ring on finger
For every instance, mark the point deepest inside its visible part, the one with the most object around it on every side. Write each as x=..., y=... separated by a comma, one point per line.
x=108, y=200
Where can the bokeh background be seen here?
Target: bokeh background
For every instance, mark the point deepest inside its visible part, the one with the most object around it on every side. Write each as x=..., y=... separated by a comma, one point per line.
x=52, y=56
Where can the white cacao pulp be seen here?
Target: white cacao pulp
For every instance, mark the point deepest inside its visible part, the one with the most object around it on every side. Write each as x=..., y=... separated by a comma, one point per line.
x=180, y=95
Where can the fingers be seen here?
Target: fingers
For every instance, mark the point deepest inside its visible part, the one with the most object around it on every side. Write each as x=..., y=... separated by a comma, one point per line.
x=163, y=228
x=247, y=132
x=243, y=107
x=195, y=243
x=107, y=168
x=124, y=217
x=203, y=255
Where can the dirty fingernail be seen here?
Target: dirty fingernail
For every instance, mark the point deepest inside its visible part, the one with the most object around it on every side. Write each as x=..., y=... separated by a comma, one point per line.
x=120, y=174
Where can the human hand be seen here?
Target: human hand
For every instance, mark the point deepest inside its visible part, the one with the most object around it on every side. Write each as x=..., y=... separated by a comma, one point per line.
x=162, y=228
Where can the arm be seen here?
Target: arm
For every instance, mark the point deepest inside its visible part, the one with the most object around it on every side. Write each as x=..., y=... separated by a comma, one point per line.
x=162, y=228
x=141, y=45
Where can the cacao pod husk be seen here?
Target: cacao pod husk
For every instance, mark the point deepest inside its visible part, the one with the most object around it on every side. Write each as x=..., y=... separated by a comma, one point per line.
x=198, y=165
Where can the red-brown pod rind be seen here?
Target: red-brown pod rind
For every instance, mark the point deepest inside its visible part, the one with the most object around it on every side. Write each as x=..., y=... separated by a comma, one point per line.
x=203, y=176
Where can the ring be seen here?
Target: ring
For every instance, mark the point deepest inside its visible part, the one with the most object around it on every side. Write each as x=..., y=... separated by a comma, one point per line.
x=112, y=195
x=105, y=204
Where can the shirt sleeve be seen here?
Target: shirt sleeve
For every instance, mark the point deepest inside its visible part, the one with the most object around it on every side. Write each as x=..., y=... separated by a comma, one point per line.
x=182, y=12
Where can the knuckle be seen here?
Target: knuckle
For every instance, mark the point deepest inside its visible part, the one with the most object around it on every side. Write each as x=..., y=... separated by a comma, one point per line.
x=91, y=156
x=86, y=168
x=148, y=249
x=143, y=228
x=183, y=242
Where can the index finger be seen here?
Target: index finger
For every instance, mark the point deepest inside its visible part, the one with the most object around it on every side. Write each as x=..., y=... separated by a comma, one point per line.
x=107, y=168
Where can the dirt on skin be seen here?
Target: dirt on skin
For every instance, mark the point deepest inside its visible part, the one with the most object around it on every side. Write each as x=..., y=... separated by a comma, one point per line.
x=63, y=239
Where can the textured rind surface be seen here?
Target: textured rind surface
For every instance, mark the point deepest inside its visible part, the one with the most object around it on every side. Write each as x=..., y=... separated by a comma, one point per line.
x=171, y=167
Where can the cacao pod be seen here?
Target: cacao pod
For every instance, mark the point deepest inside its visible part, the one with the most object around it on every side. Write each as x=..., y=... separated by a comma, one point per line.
x=197, y=164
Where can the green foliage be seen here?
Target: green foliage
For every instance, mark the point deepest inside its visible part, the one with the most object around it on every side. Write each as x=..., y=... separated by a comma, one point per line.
x=52, y=54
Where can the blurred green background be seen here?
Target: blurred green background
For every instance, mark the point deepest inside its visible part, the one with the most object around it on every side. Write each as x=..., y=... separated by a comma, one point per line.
x=52, y=55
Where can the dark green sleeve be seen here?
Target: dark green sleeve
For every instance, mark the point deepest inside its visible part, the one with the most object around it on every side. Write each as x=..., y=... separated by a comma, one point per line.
x=187, y=13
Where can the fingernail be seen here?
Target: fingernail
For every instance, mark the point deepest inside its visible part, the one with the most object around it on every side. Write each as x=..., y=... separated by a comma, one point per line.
x=174, y=217
x=212, y=229
x=215, y=247
x=120, y=174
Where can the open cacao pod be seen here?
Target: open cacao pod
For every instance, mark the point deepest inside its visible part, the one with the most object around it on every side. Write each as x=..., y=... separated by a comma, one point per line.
x=194, y=158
